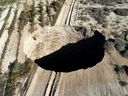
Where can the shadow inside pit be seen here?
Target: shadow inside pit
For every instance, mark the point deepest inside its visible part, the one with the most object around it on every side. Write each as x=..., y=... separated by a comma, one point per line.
x=81, y=55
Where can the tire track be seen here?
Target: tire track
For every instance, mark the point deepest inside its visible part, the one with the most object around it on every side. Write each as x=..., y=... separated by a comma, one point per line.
x=6, y=19
x=55, y=84
x=24, y=89
x=45, y=92
x=67, y=22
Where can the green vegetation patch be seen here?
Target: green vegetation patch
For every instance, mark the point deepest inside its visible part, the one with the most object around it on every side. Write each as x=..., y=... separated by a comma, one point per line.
x=10, y=1
x=41, y=17
x=32, y=14
x=7, y=2
x=17, y=72
x=52, y=10
x=3, y=81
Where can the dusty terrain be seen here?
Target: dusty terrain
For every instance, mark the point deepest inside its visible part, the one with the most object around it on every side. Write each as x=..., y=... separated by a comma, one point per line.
x=30, y=30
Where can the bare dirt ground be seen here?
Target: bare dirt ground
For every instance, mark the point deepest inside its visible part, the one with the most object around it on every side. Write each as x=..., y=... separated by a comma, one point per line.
x=26, y=34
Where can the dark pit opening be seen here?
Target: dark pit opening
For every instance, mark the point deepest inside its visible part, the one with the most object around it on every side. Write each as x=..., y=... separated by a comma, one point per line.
x=81, y=55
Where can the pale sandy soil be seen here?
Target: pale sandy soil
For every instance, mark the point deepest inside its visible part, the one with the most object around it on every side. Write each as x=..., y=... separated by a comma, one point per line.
x=35, y=88
x=5, y=33
x=3, y=15
x=53, y=39
x=2, y=41
x=10, y=55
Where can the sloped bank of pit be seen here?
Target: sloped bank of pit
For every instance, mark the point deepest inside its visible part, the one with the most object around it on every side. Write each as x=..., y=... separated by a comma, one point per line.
x=50, y=39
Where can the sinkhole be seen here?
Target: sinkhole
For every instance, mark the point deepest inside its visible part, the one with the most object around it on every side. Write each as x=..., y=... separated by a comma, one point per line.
x=81, y=55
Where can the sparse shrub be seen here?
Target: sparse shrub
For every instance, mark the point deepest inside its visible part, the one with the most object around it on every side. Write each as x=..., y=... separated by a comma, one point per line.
x=56, y=6
x=122, y=83
x=117, y=68
x=0, y=9
x=109, y=45
x=121, y=12
x=125, y=68
x=122, y=46
x=32, y=13
x=41, y=15
x=23, y=20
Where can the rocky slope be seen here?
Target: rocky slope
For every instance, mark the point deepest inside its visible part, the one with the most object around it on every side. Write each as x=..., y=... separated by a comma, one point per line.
x=42, y=29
